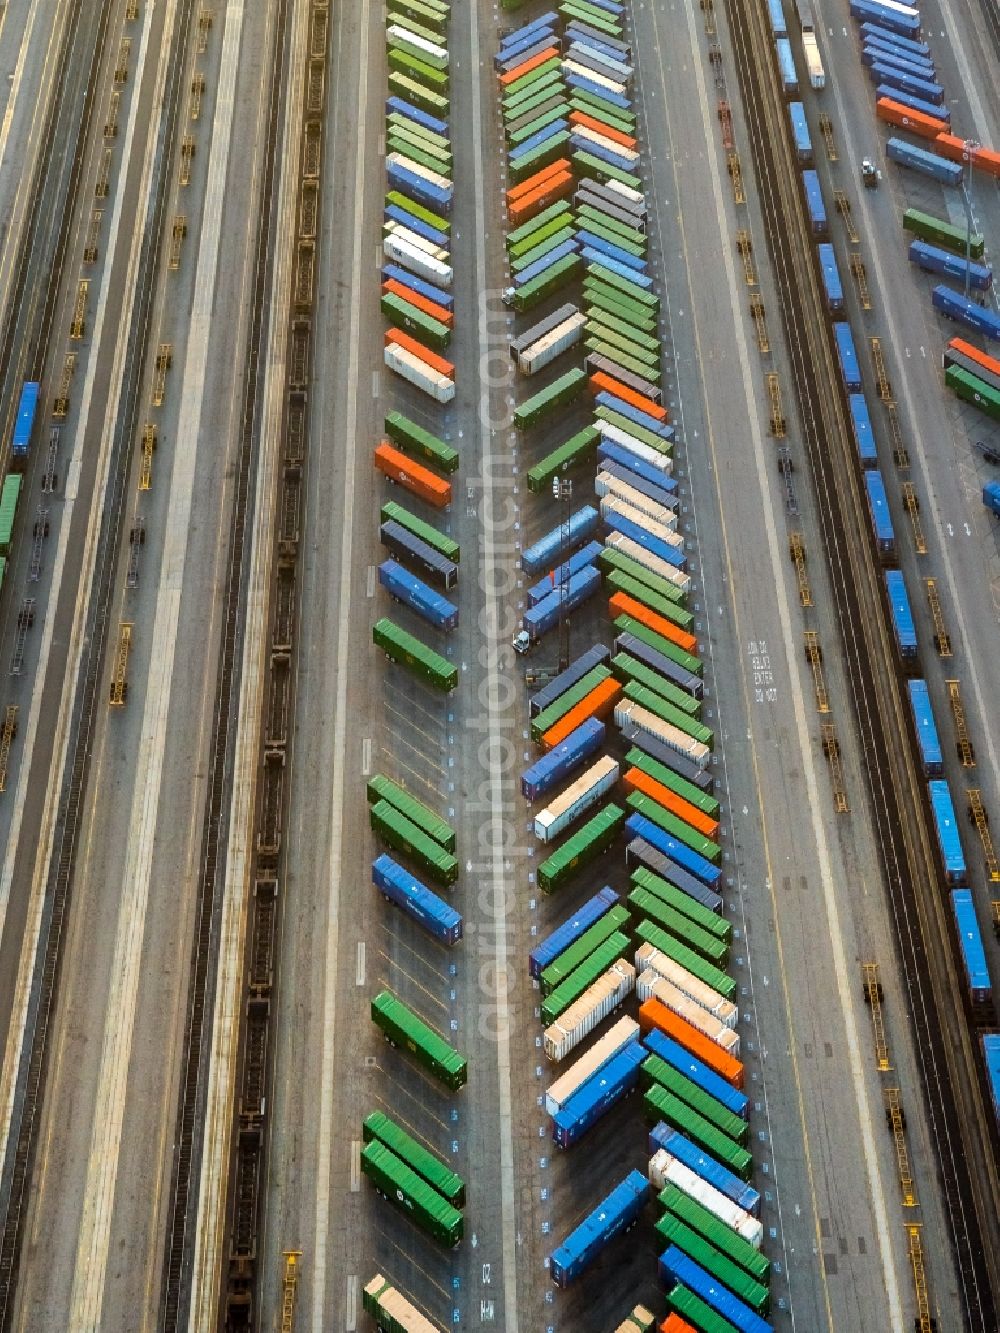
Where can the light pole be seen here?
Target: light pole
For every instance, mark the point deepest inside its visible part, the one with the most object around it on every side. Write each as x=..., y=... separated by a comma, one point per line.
x=968, y=148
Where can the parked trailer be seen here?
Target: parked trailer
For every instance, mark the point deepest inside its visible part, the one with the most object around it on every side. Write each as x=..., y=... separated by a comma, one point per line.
x=406, y=891
x=391, y=512
x=878, y=508
x=665, y=772
x=966, y=357
x=934, y=259
x=437, y=295
x=560, y=392
x=972, y=389
x=895, y=112
x=377, y=1125
x=913, y=103
x=677, y=1145
x=642, y=825
x=674, y=885
x=595, y=837
x=626, y=624
x=381, y=788
x=883, y=34
x=637, y=559
x=671, y=1052
x=579, y=448
x=614, y=1215
x=983, y=159
x=726, y=1239
x=402, y=1027
x=776, y=15
x=408, y=651
x=715, y=1263
x=543, y=552
x=403, y=1188
x=946, y=828
x=593, y=938
x=404, y=544
x=668, y=1173
x=406, y=363
x=409, y=838
x=596, y=656
x=586, y=791
x=551, y=345
x=899, y=19
x=615, y=1081
x=814, y=203
x=938, y=232
x=601, y=998
x=391, y=1310
x=924, y=162
x=875, y=52
x=570, y=931
x=991, y=1055
x=558, y=577
x=560, y=761
x=398, y=468
x=676, y=948
x=926, y=728
x=882, y=72
x=426, y=601
x=609, y=955
x=676, y=1269
x=399, y=106
x=620, y=1035
x=545, y=615
x=954, y=305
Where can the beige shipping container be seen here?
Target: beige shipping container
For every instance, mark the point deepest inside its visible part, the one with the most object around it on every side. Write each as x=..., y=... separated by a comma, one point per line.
x=607, y=484
x=610, y=505
x=631, y=718
x=651, y=983
x=584, y=1014
x=624, y=1031
x=649, y=957
x=617, y=541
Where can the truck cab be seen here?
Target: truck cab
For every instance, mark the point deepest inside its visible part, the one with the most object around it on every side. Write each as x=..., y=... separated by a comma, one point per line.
x=870, y=174
x=521, y=642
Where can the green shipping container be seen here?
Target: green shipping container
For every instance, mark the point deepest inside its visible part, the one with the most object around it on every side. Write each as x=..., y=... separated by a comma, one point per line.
x=553, y=213
x=619, y=284
x=595, y=837
x=696, y=730
x=542, y=156
x=558, y=708
x=381, y=788
x=396, y=1182
x=397, y=513
x=616, y=946
x=424, y=11
x=419, y=153
x=403, y=85
x=637, y=365
x=539, y=123
x=404, y=1028
x=973, y=390
x=9, y=496
x=579, y=448
x=586, y=164
x=406, y=837
x=933, y=229
x=617, y=230
x=677, y=828
x=702, y=800
x=663, y=606
x=617, y=303
x=654, y=441
x=650, y=932
x=698, y=1217
x=662, y=1105
x=581, y=949
x=561, y=272
x=628, y=342
x=556, y=226
x=545, y=78
x=598, y=19
x=415, y=68
x=538, y=250
x=702, y=916
x=561, y=391
x=629, y=625
x=602, y=320
x=408, y=651
x=390, y=1309
x=418, y=210
x=420, y=443
x=538, y=104
x=593, y=221
x=618, y=562
x=657, y=1070
x=411, y=24
x=697, y=1312
x=696, y=1247
x=675, y=923
x=427, y=330
x=592, y=104
x=437, y=1173
x=630, y=669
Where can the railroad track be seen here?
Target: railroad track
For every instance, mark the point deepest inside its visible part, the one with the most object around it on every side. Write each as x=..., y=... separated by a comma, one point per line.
x=189, y=1137
x=950, y=1081
x=25, y=1119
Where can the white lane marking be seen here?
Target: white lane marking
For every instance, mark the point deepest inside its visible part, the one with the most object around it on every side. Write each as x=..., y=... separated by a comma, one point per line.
x=351, y=1322
x=366, y=757
x=326, y=1126
x=370, y=582
x=355, y=1165
x=359, y=976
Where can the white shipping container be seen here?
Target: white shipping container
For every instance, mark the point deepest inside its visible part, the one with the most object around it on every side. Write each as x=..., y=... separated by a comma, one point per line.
x=624, y=1031
x=414, y=239
x=606, y=484
x=651, y=983
x=418, y=372
x=578, y=797
x=664, y=1169
x=628, y=155
x=649, y=958
x=584, y=1014
x=617, y=541
x=662, y=462
x=400, y=34
x=417, y=261
x=631, y=718
x=551, y=345
x=611, y=505
x=616, y=69
x=814, y=62
x=626, y=191
x=602, y=81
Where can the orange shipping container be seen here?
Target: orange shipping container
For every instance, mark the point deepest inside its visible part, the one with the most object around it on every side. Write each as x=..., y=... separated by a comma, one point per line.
x=431, y=359
x=622, y=604
x=598, y=703
x=989, y=363
x=397, y=467
x=983, y=159
x=675, y=1324
x=438, y=312
x=654, y=1014
x=519, y=71
x=637, y=780
x=604, y=383
x=927, y=127
x=557, y=187
x=518, y=192
x=599, y=127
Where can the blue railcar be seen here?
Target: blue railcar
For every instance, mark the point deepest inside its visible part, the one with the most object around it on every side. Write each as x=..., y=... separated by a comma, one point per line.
x=575, y=80
x=562, y=759
x=395, y=213
x=724, y=1180
x=991, y=1055
x=687, y=883
x=598, y=655
x=874, y=31
x=970, y=939
x=526, y=275
x=878, y=507
x=544, y=615
x=800, y=129
x=596, y=1097
x=779, y=28
x=405, y=544
x=677, y=1267
x=902, y=616
x=850, y=371
x=408, y=279
x=932, y=259
x=570, y=930
x=786, y=67
x=814, y=203
x=612, y=1216
x=875, y=52
x=542, y=553
x=24, y=423
x=946, y=827
x=923, y=720
x=864, y=436
x=641, y=827
x=654, y=545
x=909, y=83
x=636, y=414
x=914, y=103
x=419, y=596
x=667, y=499
x=407, y=892
x=707, y=1079
x=833, y=290
x=610, y=250
x=661, y=664
x=404, y=108
x=974, y=316
x=924, y=161
x=904, y=21
x=619, y=460
x=579, y=560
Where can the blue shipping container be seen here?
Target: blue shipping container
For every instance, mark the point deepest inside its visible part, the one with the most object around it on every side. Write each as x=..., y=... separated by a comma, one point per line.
x=977, y=976
x=610, y=251
x=553, y=580
x=920, y=160
x=549, y=131
x=991, y=1054
x=600, y=1092
x=800, y=131
x=881, y=72
x=542, y=553
x=777, y=16
x=517, y=35
x=651, y=490
x=526, y=275
x=864, y=436
x=832, y=288
x=675, y=1266
x=955, y=306
x=24, y=421
x=414, y=113
x=914, y=103
x=407, y=892
x=544, y=615
x=878, y=507
x=417, y=595
x=894, y=39
x=933, y=259
x=875, y=52
x=408, y=279
x=560, y=761
x=946, y=827
x=742, y=1194
x=849, y=369
x=786, y=67
x=902, y=616
x=588, y=86
x=641, y=280
x=419, y=187
x=533, y=45
x=905, y=22
x=645, y=539
x=598, y=41
x=707, y=1079
x=641, y=827
x=619, y=405
x=814, y=203
x=923, y=720
x=394, y=213
x=570, y=931
x=619, y=460
x=609, y=1219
